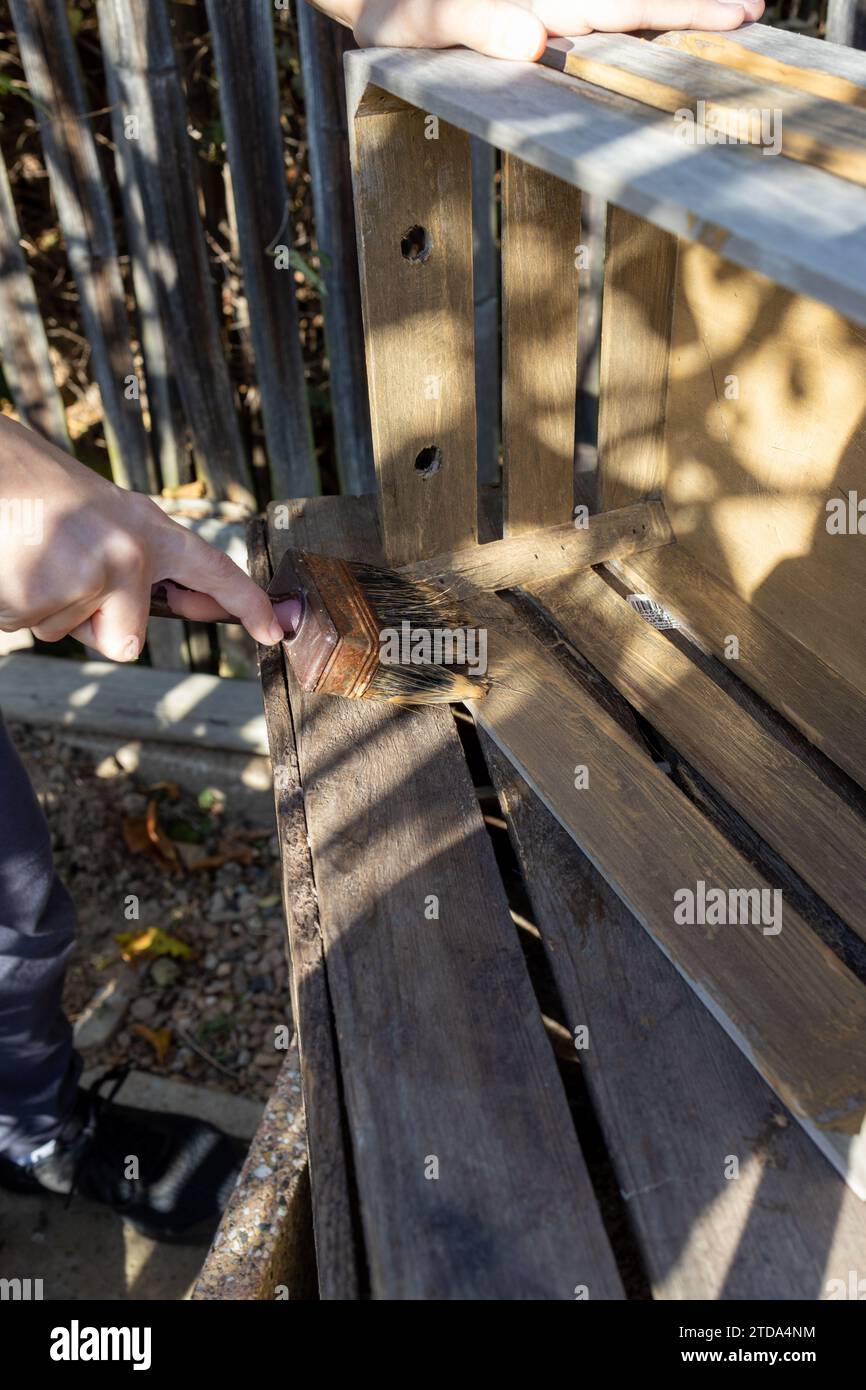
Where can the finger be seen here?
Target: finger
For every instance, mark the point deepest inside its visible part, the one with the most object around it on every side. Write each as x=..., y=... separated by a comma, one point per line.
x=202, y=609
x=187, y=603
x=117, y=628
x=64, y=623
x=566, y=17
x=188, y=560
x=495, y=27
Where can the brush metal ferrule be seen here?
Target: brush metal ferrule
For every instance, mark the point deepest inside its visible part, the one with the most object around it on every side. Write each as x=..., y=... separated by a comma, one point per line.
x=335, y=648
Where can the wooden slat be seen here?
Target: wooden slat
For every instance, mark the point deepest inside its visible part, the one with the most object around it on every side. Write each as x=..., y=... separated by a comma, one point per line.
x=132, y=702
x=823, y=134
x=795, y=69
x=649, y=842
x=529, y=559
x=802, y=226
x=322, y=45
x=830, y=712
x=419, y=323
x=340, y=1262
x=167, y=425
x=137, y=37
x=429, y=1070
x=636, y=314
x=802, y=50
x=23, y=344
x=243, y=40
x=485, y=268
x=540, y=237
x=675, y=1099
x=777, y=793
x=85, y=215
x=766, y=426
x=846, y=22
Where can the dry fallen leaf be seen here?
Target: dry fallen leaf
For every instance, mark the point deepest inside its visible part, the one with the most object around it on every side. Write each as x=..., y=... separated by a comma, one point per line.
x=171, y=789
x=144, y=835
x=155, y=941
x=135, y=834
x=157, y=836
x=159, y=1039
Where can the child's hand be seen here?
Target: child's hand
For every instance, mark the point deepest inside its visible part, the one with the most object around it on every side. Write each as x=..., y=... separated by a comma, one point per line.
x=520, y=28
x=79, y=555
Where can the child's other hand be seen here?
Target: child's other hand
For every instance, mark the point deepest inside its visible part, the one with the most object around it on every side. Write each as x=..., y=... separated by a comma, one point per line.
x=520, y=28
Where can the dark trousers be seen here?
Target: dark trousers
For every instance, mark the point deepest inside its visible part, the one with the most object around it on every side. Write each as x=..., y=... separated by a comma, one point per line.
x=39, y=1068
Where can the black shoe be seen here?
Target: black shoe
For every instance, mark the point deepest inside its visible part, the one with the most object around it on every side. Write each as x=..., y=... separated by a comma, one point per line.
x=169, y=1176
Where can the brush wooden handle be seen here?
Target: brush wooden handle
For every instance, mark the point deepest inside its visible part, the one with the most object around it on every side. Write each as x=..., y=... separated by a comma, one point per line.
x=169, y=600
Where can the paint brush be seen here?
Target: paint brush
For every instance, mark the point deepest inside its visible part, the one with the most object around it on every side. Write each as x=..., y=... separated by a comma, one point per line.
x=407, y=635
x=363, y=632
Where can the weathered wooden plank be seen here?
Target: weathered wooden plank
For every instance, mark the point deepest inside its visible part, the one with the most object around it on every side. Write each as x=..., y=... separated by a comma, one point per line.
x=413, y=190
x=801, y=50
x=322, y=45
x=821, y=133
x=423, y=965
x=527, y=560
x=830, y=712
x=23, y=344
x=167, y=645
x=132, y=702
x=167, y=426
x=801, y=226
x=264, y=1246
x=84, y=211
x=801, y=62
x=636, y=316
x=676, y=1101
x=136, y=36
x=339, y=1260
x=752, y=977
x=540, y=239
x=776, y=792
x=243, y=39
x=764, y=443
x=485, y=277
x=846, y=22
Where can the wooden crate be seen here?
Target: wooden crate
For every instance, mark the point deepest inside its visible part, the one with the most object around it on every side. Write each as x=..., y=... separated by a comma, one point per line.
x=724, y=1063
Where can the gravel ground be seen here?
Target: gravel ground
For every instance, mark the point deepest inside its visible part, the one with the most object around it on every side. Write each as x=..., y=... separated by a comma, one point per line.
x=219, y=982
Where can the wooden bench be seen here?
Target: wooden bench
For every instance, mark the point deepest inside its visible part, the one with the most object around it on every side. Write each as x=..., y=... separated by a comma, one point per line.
x=524, y=1077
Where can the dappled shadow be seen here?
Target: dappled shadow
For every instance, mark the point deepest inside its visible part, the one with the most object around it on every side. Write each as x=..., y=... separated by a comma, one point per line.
x=441, y=1047
x=742, y=1115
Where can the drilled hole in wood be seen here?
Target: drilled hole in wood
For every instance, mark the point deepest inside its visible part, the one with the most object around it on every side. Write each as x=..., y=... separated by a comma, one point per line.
x=416, y=245
x=429, y=461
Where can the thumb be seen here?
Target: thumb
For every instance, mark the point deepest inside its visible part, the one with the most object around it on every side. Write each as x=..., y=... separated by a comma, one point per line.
x=117, y=628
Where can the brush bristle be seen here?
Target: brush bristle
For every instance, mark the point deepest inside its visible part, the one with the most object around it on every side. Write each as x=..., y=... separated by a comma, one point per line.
x=396, y=599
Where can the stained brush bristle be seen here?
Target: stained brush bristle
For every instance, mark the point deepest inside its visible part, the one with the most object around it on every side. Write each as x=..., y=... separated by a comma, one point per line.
x=428, y=609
